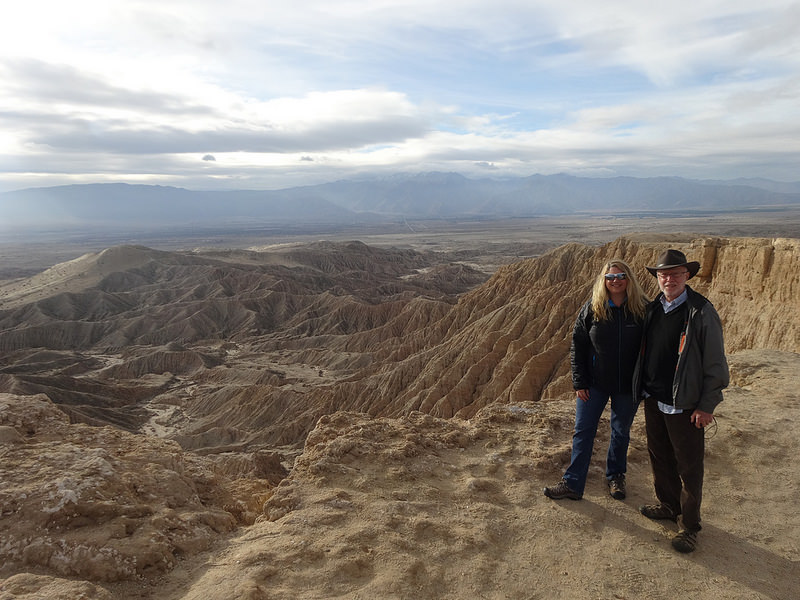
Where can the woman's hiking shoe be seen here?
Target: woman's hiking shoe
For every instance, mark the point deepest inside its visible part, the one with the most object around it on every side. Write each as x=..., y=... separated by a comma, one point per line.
x=562, y=490
x=685, y=541
x=658, y=512
x=616, y=487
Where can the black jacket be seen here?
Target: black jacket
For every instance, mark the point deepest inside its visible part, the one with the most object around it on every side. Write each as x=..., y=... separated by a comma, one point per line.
x=603, y=353
x=702, y=370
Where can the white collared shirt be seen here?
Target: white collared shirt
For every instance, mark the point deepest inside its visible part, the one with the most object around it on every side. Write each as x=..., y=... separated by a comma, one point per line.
x=670, y=306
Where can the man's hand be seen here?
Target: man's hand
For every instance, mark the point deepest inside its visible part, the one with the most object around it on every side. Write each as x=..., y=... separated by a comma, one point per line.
x=701, y=419
x=583, y=394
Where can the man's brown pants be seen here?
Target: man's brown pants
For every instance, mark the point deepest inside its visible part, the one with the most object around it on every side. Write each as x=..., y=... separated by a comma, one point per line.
x=676, y=450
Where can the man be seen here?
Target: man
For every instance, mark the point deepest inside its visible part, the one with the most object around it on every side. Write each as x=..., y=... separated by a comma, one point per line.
x=680, y=373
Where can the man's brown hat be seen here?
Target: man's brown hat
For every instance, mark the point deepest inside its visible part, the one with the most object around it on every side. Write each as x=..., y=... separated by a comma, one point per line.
x=674, y=258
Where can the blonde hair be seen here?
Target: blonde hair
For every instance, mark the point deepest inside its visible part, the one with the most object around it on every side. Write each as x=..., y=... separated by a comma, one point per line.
x=637, y=300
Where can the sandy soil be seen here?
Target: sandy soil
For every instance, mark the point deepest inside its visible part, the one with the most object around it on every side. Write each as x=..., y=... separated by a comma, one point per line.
x=423, y=508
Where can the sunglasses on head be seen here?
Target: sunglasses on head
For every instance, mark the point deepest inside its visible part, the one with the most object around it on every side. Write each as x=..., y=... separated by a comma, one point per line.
x=613, y=276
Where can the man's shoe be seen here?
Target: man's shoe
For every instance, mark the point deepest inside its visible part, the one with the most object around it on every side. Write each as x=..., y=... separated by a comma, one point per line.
x=685, y=541
x=562, y=490
x=658, y=512
x=616, y=487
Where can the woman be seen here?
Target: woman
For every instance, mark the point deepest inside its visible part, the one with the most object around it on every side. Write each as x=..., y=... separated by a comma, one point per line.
x=605, y=343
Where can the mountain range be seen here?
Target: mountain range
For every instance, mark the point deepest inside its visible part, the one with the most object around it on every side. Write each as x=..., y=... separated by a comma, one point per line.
x=397, y=197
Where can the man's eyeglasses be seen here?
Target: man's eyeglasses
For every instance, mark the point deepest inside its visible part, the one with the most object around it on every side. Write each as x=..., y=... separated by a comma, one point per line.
x=674, y=274
x=613, y=276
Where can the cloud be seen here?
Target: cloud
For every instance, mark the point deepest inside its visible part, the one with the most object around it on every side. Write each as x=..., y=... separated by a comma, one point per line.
x=38, y=83
x=345, y=119
x=327, y=89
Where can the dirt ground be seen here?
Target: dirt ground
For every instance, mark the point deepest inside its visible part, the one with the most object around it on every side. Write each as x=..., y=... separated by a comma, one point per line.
x=426, y=509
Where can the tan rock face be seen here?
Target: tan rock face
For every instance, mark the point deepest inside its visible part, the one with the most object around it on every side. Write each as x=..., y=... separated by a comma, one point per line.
x=508, y=340
x=27, y=586
x=102, y=504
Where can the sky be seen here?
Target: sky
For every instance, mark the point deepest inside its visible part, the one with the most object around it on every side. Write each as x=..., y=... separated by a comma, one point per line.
x=262, y=94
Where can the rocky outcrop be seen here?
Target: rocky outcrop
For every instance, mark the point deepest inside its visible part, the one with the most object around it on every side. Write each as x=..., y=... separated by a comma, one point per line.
x=508, y=339
x=101, y=504
x=27, y=586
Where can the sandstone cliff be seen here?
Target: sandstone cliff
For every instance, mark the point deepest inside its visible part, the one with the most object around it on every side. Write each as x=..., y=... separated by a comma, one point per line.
x=508, y=339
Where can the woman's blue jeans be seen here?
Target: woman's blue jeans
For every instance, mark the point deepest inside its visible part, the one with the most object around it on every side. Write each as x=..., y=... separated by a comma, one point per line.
x=587, y=418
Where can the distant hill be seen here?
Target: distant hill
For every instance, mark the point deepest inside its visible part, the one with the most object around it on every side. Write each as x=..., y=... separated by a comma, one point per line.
x=120, y=204
x=452, y=195
x=791, y=187
x=420, y=196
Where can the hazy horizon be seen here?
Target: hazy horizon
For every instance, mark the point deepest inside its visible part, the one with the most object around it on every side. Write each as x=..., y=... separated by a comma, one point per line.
x=377, y=200
x=367, y=176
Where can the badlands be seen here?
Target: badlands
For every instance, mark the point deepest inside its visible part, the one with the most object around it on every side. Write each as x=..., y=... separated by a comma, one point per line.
x=343, y=419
